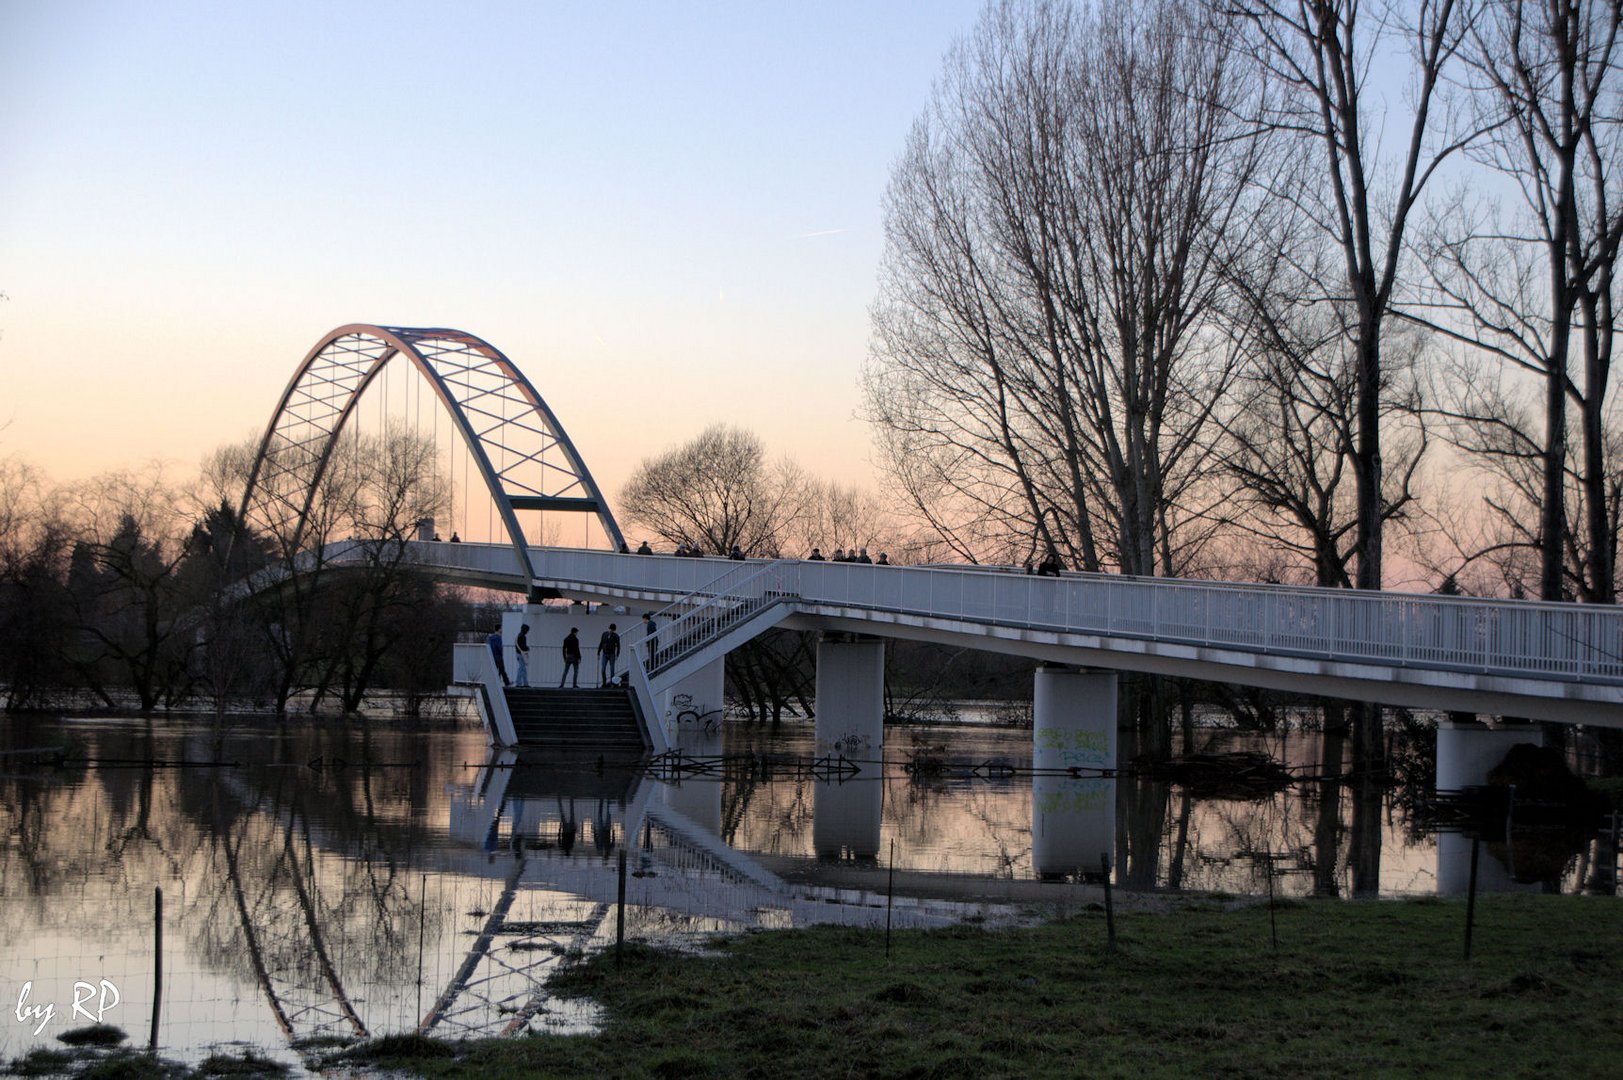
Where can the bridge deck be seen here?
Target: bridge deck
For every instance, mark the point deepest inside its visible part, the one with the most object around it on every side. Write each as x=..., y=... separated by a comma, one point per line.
x=1548, y=661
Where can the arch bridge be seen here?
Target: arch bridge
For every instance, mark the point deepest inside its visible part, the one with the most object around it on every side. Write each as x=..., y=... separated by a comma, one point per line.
x=1558, y=662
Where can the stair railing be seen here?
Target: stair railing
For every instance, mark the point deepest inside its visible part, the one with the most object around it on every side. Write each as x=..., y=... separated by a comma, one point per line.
x=493, y=700
x=699, y=618
x=659, y=732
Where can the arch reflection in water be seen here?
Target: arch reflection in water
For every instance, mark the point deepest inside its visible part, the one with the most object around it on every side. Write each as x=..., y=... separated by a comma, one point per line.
x=685, y=878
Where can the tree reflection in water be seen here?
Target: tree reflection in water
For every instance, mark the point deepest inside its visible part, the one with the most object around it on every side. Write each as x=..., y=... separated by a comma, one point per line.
x=297, y=896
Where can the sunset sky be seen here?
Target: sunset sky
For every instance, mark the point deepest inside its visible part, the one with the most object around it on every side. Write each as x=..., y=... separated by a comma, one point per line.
x=666, y=214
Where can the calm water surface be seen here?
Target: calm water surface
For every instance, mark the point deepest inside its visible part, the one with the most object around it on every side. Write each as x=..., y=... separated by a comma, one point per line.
x=322, y=883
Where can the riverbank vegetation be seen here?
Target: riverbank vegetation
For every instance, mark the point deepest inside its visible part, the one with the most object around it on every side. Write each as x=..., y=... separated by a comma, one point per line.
x=1377, y=988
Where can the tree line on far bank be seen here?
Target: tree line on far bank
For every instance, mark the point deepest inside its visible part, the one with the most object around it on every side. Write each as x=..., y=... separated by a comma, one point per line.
x=130, y=589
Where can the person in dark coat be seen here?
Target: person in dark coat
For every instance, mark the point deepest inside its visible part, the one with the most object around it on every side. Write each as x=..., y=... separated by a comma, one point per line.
x=521, y=648
x=608, y=655
x=571, y=658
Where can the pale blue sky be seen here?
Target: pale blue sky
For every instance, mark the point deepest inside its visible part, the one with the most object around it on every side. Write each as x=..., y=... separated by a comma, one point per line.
x=666, y=214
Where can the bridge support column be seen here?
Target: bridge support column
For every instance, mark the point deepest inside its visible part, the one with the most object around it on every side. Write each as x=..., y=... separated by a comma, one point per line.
x=704, y=691
x=698, y=798
x=1073, y=726
x=1467, y=751
x=850, y=695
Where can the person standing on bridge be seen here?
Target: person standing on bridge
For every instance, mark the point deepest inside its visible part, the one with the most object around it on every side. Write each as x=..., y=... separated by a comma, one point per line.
x=495, y=643
x=571, y=658
x=608, y=655
x=521, y=650
x=648, y=628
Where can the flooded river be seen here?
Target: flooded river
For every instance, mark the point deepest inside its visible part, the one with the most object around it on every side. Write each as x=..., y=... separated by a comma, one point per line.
x=322, y=883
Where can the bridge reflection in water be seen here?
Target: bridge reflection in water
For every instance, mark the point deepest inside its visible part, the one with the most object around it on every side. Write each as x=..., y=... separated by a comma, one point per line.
x=334, y=884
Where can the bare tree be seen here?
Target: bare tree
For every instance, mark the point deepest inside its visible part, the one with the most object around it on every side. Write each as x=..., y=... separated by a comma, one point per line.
x=1320, y=52
x=1290, y=435
x=716, y=491
x=1058, y=231
x=128, y=583
x=380, y=599
x=1529, y=292
x=36, y=616
x=834, y=515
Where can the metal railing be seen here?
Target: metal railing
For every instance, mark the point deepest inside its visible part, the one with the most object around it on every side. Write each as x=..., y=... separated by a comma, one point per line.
x=1517, y=638
x=473, y=665
x=689, y=624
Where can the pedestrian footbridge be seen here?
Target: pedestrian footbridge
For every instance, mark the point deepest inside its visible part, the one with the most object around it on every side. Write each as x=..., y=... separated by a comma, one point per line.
x=1558, y=662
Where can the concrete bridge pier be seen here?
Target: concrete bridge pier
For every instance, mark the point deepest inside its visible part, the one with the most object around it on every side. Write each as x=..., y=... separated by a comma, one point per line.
x=704, y=691
x=1467, y=750
x=850, y=695
x=698, y=798
x=1074, y=726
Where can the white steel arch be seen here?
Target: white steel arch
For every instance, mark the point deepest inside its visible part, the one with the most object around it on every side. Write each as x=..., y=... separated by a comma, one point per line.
x=521, y=451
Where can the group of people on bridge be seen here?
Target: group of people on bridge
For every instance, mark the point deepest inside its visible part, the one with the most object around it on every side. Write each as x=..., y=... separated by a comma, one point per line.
x=855, y=555
x=686, y=550
x=608, y=656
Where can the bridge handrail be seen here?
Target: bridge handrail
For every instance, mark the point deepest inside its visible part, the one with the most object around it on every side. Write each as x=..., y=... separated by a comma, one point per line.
x=705, y=613
x=1561, y=642
x=1567, y=641
x=1510, y=637
x=1223, y=584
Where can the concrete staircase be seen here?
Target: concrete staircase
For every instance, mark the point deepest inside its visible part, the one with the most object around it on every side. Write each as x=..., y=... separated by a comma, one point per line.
x=544, y=718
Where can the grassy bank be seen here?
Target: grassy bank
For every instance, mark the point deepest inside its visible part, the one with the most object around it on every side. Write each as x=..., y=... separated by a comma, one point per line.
x=1365, y=988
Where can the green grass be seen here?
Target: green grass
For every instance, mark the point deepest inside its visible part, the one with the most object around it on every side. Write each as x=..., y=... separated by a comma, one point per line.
x=1364, y=988
x=97, y=1057
x=246, y=1063
x=42, y=1061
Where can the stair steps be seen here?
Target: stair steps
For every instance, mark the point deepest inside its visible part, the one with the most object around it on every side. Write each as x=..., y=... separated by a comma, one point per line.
x=547, y=718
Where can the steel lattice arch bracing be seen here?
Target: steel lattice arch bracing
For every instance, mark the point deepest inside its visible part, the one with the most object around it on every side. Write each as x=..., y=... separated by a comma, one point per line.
x=514, y=440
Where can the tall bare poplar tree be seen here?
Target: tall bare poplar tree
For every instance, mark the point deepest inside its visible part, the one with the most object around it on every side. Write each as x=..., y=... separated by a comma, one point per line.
x=1529, y=288
x=1320, y=51
x=1047, y=338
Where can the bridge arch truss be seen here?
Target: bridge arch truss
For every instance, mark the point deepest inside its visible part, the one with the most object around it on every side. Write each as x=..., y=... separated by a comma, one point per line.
x=513, y=438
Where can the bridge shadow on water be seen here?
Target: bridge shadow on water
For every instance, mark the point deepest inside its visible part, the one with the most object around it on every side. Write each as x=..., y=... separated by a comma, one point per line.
x=323, y=884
